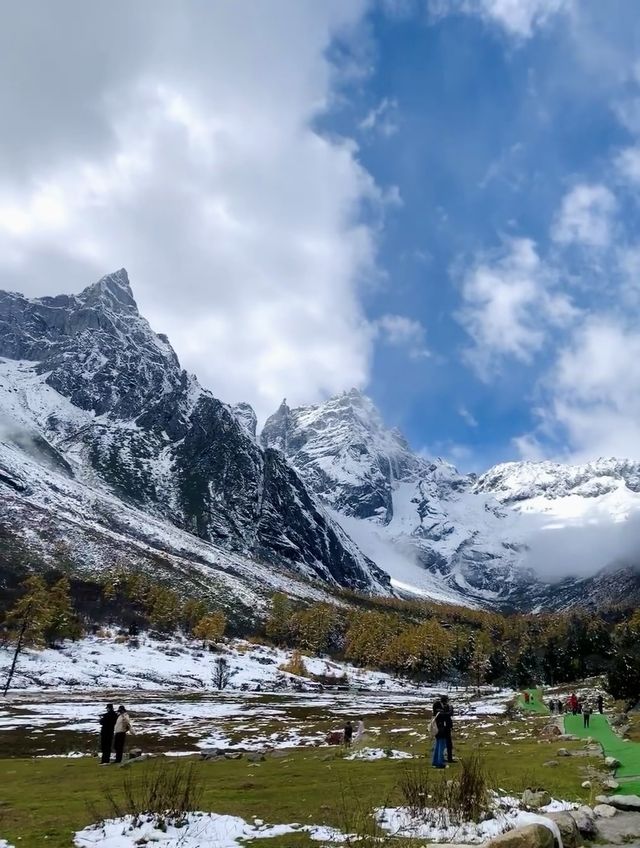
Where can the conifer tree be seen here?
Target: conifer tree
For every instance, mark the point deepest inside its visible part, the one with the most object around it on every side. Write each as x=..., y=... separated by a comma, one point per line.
x=27, y=620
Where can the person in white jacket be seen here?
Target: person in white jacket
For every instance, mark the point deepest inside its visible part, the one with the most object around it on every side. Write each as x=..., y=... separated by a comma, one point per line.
x=123, y=726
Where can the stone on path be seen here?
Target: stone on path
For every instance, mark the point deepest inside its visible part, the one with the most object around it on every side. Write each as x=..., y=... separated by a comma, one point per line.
x=604, y=811
x=530, y=836
x=568, y=829
x=535, y=799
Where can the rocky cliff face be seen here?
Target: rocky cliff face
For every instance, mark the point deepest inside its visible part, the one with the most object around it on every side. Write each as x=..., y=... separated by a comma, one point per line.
x=444, y=534
x=87, y=377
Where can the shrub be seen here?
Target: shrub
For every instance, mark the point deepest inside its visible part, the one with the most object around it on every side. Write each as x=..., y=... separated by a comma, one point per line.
x=444, y=801
x=165, y=791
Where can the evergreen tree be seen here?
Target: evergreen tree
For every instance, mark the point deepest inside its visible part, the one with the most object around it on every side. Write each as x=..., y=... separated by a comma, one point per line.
x=278, y=624
x=62, y=620
x=27, y=620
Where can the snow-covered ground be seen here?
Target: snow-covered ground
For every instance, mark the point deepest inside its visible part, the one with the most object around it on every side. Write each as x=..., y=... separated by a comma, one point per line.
x=167, y=688
x=198, y=830
x=210, y=830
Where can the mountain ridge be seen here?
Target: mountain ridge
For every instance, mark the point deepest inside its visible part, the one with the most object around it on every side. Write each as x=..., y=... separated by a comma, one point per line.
x=86, y=375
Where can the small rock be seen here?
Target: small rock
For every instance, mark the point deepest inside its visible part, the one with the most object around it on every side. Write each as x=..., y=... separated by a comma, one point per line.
x=279, y=754
x=233, y=755
x=530, y=836
x=562, y=752
x=256, y=757
x=610, y=783
x=586, y=784
x=568, y=829
x=604, y=811
x=550, y=763
x=611, y=762
x=135, y=752
x=535, y=799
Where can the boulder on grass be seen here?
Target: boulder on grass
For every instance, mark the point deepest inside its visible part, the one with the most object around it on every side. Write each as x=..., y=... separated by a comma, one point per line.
x=585, y=821
x=135, y=752
x=551, y=763
x=530, y=836
x=534, y=799
x=568, y=828
x=233, y=755
x=562, y=752
x=610, y=783
x=256, y=757
x=611, y=762
x=604, y=811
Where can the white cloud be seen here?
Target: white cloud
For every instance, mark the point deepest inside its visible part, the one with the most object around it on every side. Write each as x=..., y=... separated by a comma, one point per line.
x=180, y=142
x=595, y=390
x=382, y=118
x=508, y=306
x=585, y=216
x=628, y=163
x=400, y=331
x=518, y=18
x=467, y=416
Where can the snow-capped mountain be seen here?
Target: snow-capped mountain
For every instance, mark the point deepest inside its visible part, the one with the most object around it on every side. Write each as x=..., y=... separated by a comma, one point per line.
x=100, y=425
x=453, y=536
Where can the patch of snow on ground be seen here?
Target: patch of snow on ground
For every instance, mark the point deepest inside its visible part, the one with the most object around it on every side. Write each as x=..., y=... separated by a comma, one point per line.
x=198, y=830
x=379, y=754
x=436, y=826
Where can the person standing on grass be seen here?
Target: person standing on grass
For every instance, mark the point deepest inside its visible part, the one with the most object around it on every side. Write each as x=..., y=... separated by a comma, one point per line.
x=348, y=734
x=447, y=709
x=586, y=714
x=122, y=727
x=438, y=731
x=600, y=702
x=107, y=724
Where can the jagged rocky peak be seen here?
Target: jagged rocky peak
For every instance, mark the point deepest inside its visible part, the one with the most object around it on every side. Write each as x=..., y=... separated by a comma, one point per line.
x=113, y=290
x=518, y=481
x=344, y=451
x=109, y=394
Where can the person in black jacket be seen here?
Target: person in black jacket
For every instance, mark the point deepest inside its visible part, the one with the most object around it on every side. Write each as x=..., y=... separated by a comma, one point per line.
x=438, y=728
x=107, y=725
x=448, y=711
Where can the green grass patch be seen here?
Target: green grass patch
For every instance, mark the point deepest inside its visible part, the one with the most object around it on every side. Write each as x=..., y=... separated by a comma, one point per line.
x=56, y=797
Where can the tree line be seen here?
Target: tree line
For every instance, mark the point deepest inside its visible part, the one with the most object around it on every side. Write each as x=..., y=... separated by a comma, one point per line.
x=419, y=640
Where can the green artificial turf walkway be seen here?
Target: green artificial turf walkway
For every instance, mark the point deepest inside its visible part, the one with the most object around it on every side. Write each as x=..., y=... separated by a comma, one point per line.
x=536, y=702
x=625, y=751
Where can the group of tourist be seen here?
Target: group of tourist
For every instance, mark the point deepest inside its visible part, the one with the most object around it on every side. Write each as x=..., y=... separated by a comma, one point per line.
x=114, y=726
x=577, y=706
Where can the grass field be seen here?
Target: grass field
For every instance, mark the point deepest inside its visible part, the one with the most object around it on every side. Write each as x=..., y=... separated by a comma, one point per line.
x=49, y=799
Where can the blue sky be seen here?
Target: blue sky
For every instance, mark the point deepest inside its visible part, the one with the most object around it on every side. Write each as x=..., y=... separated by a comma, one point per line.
x=433, y=200
x=485, y=131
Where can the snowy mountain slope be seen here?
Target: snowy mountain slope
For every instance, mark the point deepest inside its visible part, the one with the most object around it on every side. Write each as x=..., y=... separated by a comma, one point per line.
x=90, y=394
x=447, y=535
